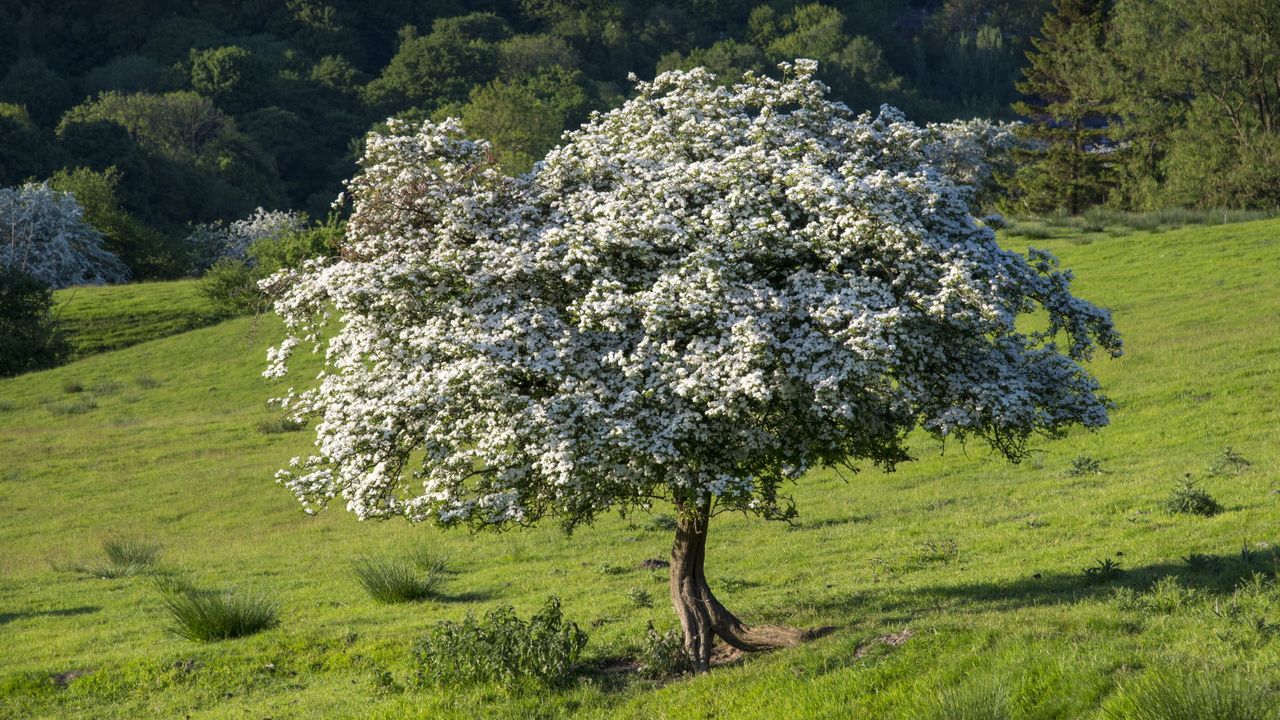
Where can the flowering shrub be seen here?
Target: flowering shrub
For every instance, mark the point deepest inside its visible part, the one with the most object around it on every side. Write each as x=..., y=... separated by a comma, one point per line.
x=974, y=154
x=211, y=242
x=43, y=234
x=696, y=297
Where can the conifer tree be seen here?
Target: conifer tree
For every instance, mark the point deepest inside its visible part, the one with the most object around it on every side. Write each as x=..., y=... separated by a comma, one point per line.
x=1063, y=164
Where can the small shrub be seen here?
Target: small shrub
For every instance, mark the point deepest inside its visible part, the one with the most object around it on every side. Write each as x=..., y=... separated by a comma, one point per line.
x=1189, y=499
x=663, y=522
x=124, y=558
x=1179, y=695
x=1229, y=462
x=1084, y=465
x=277, y=426
x=640, y=597
x=208, y=615
x=663, y=655
x=231, y=288
x=501, y=648
x=942, y=550
x=391, y=580
x=1200, y=561
x=30, y=338
x=1103, y=570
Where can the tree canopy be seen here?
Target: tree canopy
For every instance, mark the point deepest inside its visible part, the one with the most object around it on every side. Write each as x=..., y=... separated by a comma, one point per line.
x=696, y=298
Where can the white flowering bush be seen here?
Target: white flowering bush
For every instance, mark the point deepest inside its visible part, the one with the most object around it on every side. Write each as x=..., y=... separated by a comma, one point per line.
x=43, y=234
x=211, y=242
x=697, y=297
x=974, y=154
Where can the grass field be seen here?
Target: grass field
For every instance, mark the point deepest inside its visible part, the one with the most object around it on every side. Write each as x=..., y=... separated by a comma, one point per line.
x=112, y=317
x=958, y=585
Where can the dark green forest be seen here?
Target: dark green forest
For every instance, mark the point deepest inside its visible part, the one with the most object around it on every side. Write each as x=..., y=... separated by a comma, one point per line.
x=164, y=114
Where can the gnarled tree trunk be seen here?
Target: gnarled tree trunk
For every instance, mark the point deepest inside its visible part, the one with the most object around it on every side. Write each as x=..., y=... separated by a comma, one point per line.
x=702, y=617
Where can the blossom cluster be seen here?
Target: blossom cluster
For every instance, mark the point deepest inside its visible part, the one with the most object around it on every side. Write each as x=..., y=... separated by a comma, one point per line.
x=974, y=154
x=210, y=242
x=704, y=292
x=44, y=234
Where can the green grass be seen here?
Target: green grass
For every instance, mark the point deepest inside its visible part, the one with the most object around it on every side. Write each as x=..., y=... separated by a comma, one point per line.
x=110, y=317
x=955, y=575
x=208, y=615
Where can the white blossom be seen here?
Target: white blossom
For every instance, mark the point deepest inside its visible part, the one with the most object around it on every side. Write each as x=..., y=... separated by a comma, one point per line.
x=707, y=291
x=44, y=234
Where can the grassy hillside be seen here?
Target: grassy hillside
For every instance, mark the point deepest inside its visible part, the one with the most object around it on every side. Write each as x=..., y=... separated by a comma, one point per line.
x=111, y=317
x=957, y=582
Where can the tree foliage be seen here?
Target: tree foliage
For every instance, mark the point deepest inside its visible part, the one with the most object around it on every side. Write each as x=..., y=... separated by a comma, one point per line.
x=29, y=334
x=1065, y=165
x=43, y=234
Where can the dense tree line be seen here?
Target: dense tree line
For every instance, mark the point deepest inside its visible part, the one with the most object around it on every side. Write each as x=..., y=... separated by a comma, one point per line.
x=1146, y=104
x=165, y=114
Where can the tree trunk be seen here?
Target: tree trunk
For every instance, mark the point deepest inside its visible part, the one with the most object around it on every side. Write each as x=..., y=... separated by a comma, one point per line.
x=702, y=617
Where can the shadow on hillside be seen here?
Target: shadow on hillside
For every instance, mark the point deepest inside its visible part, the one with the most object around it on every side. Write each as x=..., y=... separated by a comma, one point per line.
x=1210, y=574
x=8, y=617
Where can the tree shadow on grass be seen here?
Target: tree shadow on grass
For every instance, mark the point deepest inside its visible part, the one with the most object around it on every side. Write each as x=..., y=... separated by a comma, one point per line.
x=8, y=617
x=1218, y=574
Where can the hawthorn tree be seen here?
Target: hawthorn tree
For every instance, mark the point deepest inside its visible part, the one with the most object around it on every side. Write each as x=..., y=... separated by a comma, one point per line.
x=695, y=299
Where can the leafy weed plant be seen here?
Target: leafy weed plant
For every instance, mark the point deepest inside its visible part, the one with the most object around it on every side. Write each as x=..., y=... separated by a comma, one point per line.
x=501, y=648
x=1190, y=499
x=663, y=655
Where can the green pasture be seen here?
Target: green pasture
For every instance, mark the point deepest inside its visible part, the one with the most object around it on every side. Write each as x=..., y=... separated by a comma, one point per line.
x=958, y=586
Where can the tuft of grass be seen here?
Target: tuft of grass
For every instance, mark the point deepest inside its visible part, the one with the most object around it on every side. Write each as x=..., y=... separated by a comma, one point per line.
x=1190, y=499
x=982, y=699
x=80, y=405
x=1103, y=570
x=146, y=382
x=124, y=558
x=210, y=615
x=72, y=387
x=276, y=426
x=389, y=579
x=1182, y=695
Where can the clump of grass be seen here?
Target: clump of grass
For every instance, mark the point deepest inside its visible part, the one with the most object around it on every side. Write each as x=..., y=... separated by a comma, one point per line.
x=661, y=523
x=501, y=648
x=82, y=404
x=124, y=558
x=1190, y=499
x=390, y=579
x=276, y=426
x=72, y=387
x=106, y=387
x=1179, y=695
x=1229, y=462
x=146, y=382
x=209, y=615
x=983, y=699
x=640, y=597
x=611, y=569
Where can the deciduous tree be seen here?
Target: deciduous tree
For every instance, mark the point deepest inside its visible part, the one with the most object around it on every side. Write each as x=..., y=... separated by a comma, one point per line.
x=694, y=300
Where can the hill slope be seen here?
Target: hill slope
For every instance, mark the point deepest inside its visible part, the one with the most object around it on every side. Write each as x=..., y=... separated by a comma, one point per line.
x=959, y=574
